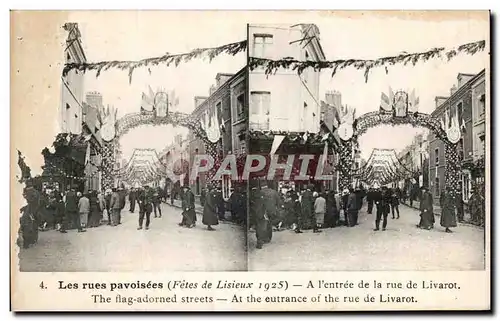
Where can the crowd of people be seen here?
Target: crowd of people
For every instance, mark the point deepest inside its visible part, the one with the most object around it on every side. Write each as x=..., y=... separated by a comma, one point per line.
x=308, y=209
x=269, y=209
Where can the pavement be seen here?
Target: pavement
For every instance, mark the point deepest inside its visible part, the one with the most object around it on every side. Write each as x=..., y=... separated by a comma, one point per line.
x=401, y=247
x=164, y=247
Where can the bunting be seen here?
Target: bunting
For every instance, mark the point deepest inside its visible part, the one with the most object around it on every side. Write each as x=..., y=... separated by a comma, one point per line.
x=167, y=59
x=272, y=66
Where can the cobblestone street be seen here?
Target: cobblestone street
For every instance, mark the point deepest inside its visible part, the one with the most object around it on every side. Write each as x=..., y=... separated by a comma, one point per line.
x=401, y=247
x=165, y=247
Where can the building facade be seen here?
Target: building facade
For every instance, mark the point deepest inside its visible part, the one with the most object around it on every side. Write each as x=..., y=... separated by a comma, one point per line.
x=478, y=122
x=415, y=160
x=72, y=87
x=226, y=107
x=284, y=101
x=457, y=107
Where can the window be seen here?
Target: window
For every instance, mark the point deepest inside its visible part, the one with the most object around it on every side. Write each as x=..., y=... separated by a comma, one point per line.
x=436, y=186
x=262, y=45
x=240, y=106
x=260, y=106
x=436, y=153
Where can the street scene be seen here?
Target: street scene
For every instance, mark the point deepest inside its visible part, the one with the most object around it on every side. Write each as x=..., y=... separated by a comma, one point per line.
x=380, y=169
x=118, y=188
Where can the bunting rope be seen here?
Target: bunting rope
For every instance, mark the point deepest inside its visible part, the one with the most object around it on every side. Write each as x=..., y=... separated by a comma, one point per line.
x=167, y=59
x=272, y=66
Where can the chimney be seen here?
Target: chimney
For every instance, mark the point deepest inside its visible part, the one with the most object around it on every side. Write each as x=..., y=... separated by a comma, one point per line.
x=440, y=100
x=453, y=90
x=213, y=88
x=198, y=100
x=463, y=78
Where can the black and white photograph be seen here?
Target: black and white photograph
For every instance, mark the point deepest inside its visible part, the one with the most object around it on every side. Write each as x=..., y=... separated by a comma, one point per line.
x=385, y=158
x=250, y=160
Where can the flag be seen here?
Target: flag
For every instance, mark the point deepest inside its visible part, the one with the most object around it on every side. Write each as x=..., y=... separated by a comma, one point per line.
x=277, y=140
x=385, y=103
x=391, y=96
x=412, y=102
x=151, y=93
x=87, y=154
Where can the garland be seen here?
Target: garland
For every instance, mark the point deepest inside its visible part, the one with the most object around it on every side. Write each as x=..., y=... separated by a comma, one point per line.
x=272, y=66
x=167, y=59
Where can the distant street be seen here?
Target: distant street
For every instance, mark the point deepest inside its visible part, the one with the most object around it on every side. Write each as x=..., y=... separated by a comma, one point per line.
x=165, y=247
x=401, y=247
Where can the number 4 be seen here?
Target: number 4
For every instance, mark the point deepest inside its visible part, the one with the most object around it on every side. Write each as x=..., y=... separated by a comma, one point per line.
x=42, y=286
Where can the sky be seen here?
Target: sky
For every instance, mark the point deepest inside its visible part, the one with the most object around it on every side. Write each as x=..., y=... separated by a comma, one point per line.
x=132, y=37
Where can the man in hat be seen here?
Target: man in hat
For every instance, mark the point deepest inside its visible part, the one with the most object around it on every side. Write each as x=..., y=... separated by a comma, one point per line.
x=210, y=217
x=258, y=216
x=132, y=196
x=188, y=209
x=146, y=207
x=308, y=217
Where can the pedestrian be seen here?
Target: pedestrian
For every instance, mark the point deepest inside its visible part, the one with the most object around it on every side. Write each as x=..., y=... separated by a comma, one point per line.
x=29, y=216
x=202, y=196
x=369, y=199
x=122, y=193
x=132, y=197
x=381, y=203
x=448, y=217
x=146, y=207
x=426, y=210
x=107, y=201
x=188, y=208
x=260, y=218
x=221, y=206
x=289, y=205
x=345, y=201
x=395, y=203
x=210, y=210
x=95, y=212
x=156, y=203
x=115, y=207
x=320, y=210
x=460, y=206
x=84, y=209
x=307, y=218
x=272, y=207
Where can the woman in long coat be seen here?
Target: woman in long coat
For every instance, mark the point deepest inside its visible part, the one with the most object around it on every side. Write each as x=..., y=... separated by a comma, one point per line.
x=188, y=214
x=210, y=210
x=448, y=217
x=95, y=213
x=426, y=210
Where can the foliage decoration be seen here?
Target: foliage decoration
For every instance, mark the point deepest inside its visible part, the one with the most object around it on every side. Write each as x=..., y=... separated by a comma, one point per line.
x=167, y=59
x=272, y=66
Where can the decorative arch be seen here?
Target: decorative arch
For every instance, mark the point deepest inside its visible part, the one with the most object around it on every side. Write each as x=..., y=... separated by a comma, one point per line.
x=416, y=119
x=134, y=120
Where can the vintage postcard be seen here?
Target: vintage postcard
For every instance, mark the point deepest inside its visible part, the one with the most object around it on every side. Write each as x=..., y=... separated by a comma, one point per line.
x=250, y=161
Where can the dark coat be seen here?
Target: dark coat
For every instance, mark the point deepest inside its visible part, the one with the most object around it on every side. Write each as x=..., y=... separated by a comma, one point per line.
x=71, y=202
x=448, y=216
x=210, y=216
